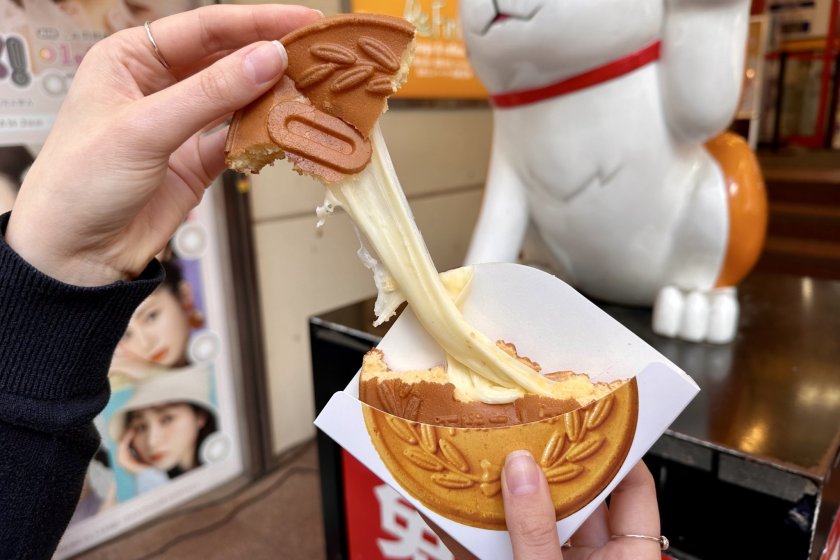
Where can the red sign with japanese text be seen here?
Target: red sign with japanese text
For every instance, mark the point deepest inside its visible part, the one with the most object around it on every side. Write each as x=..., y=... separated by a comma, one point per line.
x=380, y=524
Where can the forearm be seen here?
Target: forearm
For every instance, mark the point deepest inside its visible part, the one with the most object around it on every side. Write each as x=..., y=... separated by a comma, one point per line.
x=56, y=342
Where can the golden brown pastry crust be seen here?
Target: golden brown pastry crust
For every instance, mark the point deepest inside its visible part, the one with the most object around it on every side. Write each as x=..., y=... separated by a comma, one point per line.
x=448, y=453
x=456, y=471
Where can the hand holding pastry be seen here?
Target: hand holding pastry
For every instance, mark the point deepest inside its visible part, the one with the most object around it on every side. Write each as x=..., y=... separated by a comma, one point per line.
x=127, y=158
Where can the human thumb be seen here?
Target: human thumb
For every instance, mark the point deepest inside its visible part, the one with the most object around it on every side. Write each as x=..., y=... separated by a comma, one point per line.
x=181, y=110
x=529, y=511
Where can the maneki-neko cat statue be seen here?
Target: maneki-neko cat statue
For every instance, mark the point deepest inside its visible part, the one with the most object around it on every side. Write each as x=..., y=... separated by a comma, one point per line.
x=607, y=137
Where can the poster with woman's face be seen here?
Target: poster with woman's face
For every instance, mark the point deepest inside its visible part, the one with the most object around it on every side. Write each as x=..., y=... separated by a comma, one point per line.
x=163, y=407
x=169, y=431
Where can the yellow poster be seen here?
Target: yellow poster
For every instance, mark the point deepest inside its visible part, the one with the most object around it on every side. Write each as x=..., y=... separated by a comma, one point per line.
x=440, y=69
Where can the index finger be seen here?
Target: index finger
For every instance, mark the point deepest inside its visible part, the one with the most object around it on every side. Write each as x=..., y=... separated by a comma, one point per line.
x=187, y=37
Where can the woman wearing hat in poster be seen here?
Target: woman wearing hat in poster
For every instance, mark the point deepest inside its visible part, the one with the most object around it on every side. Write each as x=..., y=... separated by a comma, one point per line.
x=161, y=429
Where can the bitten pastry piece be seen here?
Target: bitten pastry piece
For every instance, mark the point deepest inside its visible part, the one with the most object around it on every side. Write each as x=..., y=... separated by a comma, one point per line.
x=249, y=147
x=341, y=71
x=429, y=396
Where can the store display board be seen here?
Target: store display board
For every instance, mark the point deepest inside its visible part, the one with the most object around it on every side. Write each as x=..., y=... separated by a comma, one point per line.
x=440, y=69
x=380, y=524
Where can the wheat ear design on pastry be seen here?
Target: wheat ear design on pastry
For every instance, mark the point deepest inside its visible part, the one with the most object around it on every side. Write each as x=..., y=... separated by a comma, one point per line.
x=354, y=72
x=559, y=461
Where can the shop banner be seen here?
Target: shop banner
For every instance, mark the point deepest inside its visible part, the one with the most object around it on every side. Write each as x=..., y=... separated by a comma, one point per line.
x=440, y=69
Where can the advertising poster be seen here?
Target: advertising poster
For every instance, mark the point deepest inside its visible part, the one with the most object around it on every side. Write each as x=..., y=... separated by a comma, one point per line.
x=170, y=430
x=440, y=69
x=42, y=43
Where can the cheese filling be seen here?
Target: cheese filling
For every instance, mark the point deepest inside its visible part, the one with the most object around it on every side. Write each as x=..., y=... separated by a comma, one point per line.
x=404, y=269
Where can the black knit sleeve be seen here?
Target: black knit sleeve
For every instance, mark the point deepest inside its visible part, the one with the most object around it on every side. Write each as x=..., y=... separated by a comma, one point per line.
x=56, y=343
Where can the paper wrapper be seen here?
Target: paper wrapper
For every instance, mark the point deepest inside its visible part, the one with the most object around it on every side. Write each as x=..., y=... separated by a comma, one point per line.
x=451, y=474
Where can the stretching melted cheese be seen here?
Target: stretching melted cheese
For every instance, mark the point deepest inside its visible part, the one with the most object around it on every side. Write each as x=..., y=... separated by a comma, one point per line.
x=341, y=71
x=404, y=270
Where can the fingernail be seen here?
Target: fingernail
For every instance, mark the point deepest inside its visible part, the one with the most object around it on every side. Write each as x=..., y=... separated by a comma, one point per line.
x=521, y=473
x=265, y=62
